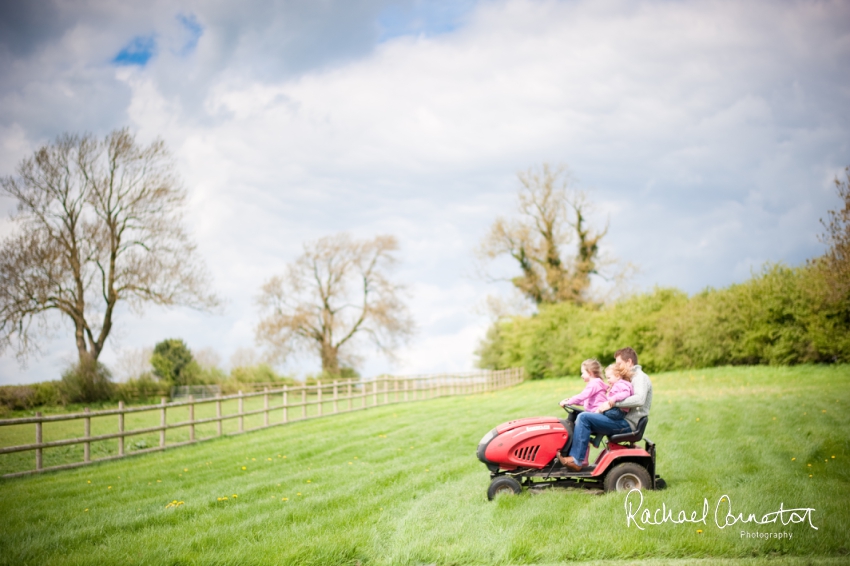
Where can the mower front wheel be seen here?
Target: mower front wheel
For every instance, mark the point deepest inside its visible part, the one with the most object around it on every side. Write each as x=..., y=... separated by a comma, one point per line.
x=503, y=484
x=626, y=477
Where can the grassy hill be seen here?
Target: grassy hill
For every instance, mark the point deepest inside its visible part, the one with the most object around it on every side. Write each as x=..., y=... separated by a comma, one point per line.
x=401, y=485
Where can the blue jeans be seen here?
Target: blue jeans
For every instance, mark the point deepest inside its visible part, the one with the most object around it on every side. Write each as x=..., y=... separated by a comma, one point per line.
x=615, y=414
x=588, y=423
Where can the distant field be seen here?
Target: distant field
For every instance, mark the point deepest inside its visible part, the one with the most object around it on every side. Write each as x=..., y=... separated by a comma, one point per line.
x=401, y=485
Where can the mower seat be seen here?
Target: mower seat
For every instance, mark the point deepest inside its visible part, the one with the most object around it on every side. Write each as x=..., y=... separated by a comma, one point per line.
x=630, y=436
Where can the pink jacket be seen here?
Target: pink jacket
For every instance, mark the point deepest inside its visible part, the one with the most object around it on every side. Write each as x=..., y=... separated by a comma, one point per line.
x=592, y=396
x=620, y=391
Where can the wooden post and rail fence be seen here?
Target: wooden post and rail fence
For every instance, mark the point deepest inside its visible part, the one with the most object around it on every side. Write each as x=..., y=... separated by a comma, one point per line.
x=340, y=396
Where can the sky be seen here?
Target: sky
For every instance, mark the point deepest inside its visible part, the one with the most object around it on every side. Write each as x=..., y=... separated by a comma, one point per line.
x=707, y=135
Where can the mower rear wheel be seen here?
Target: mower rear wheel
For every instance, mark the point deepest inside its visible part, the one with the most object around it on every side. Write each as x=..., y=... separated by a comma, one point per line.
x=626, y=477
x=503, y=484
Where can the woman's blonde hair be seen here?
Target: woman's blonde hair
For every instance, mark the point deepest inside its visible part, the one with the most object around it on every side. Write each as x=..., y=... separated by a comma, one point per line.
x=593, y=367
x=623, y=371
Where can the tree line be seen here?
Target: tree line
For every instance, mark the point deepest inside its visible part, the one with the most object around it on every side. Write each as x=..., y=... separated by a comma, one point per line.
x=781, y=315
x=99, y=223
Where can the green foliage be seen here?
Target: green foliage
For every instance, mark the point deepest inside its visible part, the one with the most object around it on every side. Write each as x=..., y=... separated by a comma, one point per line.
x=87, y=382
x=172, y=361
x=24, y=397
x=141, y=389
x=260, y=373
x=780, y=316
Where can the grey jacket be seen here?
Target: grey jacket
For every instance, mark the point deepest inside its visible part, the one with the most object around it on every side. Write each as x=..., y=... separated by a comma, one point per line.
x=641, y=401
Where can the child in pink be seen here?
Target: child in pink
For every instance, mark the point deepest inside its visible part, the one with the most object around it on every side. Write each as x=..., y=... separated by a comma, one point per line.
x=594, y=393
x=619, y=389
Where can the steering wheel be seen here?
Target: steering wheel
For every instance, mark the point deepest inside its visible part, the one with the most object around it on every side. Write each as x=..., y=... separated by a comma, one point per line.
x=573, y=409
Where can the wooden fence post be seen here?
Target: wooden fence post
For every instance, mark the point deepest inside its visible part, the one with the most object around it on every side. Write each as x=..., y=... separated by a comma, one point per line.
x=266, y=406
x=39, y=463
x=304, y=402
x=386, y=391
x=319, y=399
x=375, y=392
x=87, y=445
x=162, y=422
x=349, y=393
x=241, y=411
x=395, y=397
x=336, y=397
x=285, y=401
x=191, y=418
x=406, y=387
x=218, y=411
x=121, y=428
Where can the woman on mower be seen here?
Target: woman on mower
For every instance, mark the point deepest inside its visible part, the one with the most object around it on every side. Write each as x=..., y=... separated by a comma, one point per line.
x=593, y=394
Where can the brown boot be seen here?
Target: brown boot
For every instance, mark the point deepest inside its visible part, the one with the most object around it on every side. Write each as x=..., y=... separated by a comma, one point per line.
x=569, y=463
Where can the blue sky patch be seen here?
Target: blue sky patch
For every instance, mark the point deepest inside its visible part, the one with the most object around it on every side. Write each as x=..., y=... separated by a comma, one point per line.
x=193, y=29
x=138, y=52
x=427, y=18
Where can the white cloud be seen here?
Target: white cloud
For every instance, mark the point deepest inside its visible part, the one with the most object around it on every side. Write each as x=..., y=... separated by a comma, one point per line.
x=708, y=131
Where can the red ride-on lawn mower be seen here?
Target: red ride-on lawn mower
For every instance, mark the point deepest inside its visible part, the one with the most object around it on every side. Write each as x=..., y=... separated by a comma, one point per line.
x=523, y=453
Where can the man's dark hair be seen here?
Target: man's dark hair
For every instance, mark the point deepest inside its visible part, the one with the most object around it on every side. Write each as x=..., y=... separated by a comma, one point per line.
x=627, y=354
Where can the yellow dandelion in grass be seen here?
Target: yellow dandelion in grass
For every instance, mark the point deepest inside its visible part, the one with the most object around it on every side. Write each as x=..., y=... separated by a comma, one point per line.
x=774, y=418
x=284, y=455
x=269, y=459
x=185, y=469
x=110, y=487
x=697, y=419
x=351, y=463
x=356, y=457
x=823, y=411
x=810, y=475
x=699, y=531
x=809, y=465
x=792, y=459
x=278, y=485
x=158, y=481
x=284, y=499
x=244, y=468
x=235, y=496
x=309, y=481
x=427, y=470
x=89, y=481
x=299, y=493
x=85, y=509
x=180, y=475
x=253, y=459
x=833, y=457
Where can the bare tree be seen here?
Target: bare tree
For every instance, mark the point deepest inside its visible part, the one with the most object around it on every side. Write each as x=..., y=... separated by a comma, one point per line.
x=98, y=222
x=336, y=293
x=551, y=215
x=836, y=262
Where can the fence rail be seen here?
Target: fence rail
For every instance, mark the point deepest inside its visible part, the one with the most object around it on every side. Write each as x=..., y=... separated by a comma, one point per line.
x=323, y=398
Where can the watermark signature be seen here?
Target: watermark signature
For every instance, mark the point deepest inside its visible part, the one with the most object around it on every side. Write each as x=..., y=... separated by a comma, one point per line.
x=723, y=514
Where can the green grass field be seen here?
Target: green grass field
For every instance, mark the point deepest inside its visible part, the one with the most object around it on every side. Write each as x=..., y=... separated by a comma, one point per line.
x=401, y=485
